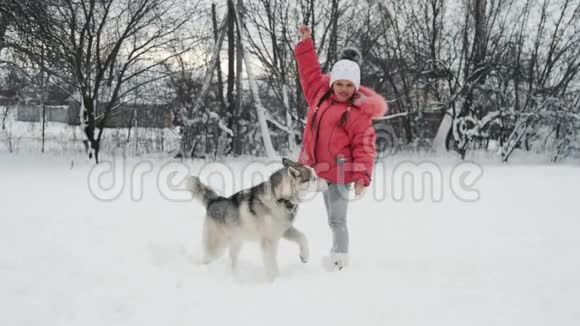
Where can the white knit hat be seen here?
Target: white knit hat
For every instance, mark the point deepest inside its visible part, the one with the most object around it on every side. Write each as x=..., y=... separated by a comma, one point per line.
x=345, y=70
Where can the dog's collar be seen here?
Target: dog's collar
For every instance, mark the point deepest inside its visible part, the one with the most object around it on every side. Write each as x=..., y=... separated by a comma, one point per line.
x=287, y=203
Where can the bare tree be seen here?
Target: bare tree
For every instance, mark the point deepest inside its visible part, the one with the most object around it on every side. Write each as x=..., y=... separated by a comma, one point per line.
x=232, y=39
x=99, y=47
x=262, y=114
x=5, y=113
x=220, y=83
x=333, y=37
x=237, y=108
x=4, y=22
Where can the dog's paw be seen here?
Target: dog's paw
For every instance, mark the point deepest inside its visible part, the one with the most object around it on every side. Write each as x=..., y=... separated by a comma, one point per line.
x=304, y=254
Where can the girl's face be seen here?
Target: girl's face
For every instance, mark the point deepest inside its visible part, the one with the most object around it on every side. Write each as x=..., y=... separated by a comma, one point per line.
x=343, y=89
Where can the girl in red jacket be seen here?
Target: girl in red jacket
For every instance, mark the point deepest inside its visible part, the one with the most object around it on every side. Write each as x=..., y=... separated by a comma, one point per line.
x=339, y=139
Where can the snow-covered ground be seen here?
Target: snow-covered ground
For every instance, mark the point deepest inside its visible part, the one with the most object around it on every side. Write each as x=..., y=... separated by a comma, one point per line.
x=502, y=250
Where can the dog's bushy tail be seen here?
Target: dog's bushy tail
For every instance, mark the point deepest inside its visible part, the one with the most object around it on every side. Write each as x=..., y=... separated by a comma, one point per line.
x=199, y=191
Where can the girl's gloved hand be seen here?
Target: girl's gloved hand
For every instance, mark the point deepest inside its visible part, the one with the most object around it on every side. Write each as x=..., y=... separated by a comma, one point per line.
x=304, y=32
x=359, y=188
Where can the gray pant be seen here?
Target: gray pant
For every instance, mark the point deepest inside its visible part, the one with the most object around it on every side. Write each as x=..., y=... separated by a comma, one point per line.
x=336, y=202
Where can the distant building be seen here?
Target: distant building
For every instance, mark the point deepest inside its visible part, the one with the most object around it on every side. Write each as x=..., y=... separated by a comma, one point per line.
x=130, y=115
x=125, y=116
x=8, y=97
x=33, y=113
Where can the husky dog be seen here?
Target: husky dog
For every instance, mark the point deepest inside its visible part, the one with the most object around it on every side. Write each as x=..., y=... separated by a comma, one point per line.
x=263, y=213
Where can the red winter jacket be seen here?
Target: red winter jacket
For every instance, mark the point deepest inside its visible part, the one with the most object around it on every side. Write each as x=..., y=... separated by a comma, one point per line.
x=339, y=154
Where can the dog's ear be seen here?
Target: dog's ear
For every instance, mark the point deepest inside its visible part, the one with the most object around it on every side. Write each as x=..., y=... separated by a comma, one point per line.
x=289, y=163
x=295, y=173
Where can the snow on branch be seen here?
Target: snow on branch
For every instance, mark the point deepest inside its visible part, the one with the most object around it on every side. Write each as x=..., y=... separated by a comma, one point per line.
x=278, y=124
x=221, y=124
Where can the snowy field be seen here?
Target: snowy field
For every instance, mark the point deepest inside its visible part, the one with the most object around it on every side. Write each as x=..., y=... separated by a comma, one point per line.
x=502, y=250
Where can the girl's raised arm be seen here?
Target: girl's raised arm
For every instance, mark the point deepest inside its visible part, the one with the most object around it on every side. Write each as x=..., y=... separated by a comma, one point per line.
x=311, y=78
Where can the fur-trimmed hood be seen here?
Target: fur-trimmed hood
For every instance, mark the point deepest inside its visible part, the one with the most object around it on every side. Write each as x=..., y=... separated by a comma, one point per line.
x=371, y=103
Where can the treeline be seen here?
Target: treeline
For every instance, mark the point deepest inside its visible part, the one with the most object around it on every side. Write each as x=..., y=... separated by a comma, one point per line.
x=459, y=75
